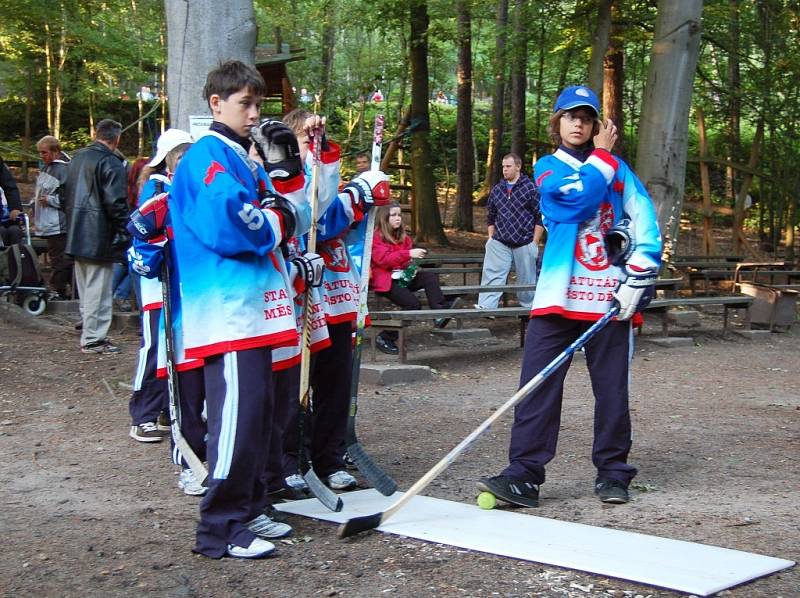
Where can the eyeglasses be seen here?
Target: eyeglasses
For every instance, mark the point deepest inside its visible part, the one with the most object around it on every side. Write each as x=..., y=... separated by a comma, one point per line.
x=571, y=118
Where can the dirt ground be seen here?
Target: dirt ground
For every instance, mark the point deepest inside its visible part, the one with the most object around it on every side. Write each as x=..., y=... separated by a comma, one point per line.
x=89, y=512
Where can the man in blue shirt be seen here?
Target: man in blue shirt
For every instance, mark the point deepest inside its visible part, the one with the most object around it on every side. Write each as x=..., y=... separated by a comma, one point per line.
x=515, y=231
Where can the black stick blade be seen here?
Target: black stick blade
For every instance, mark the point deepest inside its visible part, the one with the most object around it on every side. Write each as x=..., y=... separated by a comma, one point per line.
x=324, y=494
x=356, y=525
x=379, y=479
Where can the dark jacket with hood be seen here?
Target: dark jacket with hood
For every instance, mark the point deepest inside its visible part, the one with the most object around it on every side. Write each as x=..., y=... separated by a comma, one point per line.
x=97, y=205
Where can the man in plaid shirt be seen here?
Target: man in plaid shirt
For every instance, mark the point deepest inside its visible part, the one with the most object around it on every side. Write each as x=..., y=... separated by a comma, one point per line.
x=515, y=231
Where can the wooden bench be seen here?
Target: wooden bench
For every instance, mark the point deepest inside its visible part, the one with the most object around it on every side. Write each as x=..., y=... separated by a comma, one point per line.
x=661, y=307
x=401, y=319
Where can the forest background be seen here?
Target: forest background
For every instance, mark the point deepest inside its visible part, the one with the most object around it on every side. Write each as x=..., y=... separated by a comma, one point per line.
x=66, y=64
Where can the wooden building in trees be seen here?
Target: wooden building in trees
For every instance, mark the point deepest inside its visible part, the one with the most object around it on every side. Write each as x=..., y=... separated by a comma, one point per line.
x=271, y=62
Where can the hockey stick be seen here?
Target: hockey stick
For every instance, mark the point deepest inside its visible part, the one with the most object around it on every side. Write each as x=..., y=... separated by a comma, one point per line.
x=195, y=464
x=382, y=482
x=361, y=524
x=324, y=494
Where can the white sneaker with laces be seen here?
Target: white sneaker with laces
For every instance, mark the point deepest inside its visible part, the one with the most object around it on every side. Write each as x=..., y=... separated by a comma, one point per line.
x=296, y=482
x=189, y=484
x=258, y=549
x=264, y=527
x=341, y=480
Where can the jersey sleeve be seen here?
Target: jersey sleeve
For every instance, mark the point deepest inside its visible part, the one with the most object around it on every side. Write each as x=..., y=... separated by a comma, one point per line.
x=639, y=208
x=567, y=195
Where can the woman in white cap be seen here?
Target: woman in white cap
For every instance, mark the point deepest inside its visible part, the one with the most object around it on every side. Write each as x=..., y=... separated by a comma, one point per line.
x=149, y=401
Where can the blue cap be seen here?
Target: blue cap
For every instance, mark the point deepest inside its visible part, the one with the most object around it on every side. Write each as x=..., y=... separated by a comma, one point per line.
x=576, y=96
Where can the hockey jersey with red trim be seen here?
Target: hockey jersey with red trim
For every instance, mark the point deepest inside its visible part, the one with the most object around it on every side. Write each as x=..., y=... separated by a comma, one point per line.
x=580, y=202
x=234, y=285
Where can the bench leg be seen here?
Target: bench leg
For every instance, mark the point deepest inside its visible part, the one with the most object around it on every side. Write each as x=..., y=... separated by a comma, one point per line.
x=402, y=340
x=665, y=323
x=725, y=322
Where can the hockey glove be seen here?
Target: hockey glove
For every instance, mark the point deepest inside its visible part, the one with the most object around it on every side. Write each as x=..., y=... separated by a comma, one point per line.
x=285, y=211
x=635, y=291
x=368, y=189
x=620, y=243
x=147, y=222
x=309, y=268
x=277, y=145
x=145, y=259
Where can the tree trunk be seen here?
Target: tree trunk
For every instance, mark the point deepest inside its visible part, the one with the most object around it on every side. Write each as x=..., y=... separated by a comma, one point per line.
x=599, y=46
x=328, y=42
x=496, y=127
x=58, y=88
x=428, y=219
x=734, y=105
x=664, y=124
x=519, y=80
x=464, y=160
x=190, y=56
x=614, y=80
x=739, y=239
x=48, y=76
x=26, y=139
x=705, y=184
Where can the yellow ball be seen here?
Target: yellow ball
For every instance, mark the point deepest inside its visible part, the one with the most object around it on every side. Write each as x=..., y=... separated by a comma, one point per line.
x=486, y=500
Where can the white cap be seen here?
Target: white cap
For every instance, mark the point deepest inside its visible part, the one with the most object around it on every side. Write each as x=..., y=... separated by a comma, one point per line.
x=169, y=140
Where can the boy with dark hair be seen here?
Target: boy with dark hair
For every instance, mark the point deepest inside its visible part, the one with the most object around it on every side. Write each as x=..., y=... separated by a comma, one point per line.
x=586, y=193
x=236, y=307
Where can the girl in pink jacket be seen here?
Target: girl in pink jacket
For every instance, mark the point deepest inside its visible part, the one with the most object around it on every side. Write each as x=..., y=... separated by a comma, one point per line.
x=394, y=276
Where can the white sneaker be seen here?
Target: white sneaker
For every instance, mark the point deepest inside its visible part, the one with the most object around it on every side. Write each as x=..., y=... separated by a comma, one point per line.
x=189, y=484
x=258, y=549
x=264, y=527
x=296, y=482
x=341, y=480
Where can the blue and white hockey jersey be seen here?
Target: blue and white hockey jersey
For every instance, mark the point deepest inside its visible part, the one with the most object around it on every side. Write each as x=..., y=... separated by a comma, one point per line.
x=234, y=285
x=580, y=202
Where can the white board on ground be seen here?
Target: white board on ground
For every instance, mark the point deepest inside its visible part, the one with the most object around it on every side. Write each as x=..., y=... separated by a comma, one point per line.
x=674, y=564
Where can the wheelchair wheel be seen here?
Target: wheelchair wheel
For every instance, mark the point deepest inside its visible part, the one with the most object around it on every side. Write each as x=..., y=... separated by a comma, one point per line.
x=34, y=305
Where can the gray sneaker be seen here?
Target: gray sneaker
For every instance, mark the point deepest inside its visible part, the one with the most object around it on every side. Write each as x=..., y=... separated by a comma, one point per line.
x=189, y=484
x=341, y=480
x=265, y=528
x=103, y=347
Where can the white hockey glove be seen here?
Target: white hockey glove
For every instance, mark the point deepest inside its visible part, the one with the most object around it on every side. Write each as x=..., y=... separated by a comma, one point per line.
x=635, y=290
x=309, y=268
x=368, y=189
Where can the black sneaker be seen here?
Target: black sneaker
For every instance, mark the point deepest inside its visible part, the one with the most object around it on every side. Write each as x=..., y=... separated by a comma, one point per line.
x=611, y=491
x=443, y=322
x=386, y=345
x=517, y=492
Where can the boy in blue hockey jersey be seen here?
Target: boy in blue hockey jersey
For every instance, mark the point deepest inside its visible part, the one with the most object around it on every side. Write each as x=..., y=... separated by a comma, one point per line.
x=236, y=307
x=585, y=193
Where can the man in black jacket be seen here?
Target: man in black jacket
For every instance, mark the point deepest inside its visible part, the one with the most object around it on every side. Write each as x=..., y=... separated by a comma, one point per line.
x=97, y=212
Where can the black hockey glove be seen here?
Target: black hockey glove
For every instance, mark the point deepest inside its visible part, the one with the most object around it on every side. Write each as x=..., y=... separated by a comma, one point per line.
x=284, y=208
x=620, y=243
x=368, y=189
x=277, y=145
x=309, y=268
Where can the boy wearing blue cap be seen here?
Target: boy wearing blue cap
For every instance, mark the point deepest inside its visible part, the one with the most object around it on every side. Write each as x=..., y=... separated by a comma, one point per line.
x=585, y=192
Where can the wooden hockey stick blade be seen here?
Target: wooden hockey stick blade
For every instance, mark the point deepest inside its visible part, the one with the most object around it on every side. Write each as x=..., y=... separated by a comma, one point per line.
x=357, y=525
x=380, y=480
x=192, y=460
